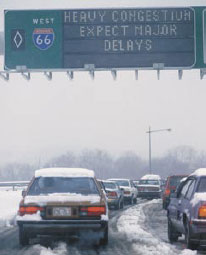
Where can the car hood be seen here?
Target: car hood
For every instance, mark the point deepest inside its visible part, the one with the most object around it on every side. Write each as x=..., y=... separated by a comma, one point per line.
x=71, y=198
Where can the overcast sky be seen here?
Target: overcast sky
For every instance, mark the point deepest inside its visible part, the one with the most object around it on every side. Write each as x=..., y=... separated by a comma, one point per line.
x=43, y=118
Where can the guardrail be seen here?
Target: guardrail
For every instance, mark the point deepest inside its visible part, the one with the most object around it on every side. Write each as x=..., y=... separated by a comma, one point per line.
x=14, y=184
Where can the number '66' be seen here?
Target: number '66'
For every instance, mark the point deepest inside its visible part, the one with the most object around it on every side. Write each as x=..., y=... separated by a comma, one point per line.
x=43, y=39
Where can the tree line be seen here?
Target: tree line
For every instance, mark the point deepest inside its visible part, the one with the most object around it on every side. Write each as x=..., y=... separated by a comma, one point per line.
x=179, y=160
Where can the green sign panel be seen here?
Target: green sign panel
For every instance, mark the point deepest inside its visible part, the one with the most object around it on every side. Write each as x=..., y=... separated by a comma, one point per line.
x=33, y=39
x=175, y=38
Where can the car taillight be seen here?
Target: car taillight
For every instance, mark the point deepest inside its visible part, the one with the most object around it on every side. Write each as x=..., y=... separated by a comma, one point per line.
x=167, y=192
x=23, y=210
x=202, y=212
x=126, y=192
x=92, y=210
x=112, y=194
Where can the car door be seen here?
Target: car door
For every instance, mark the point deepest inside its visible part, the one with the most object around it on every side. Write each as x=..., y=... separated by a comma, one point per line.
x=183, y=204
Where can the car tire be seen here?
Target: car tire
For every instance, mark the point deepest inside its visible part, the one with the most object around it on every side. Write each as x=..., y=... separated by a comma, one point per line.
x=135, y=201
x=132, y=200
x=189, y=244
x=23, y=238
x=122, y=204
x=118, y=205
x=105, y=239
x=172, y=233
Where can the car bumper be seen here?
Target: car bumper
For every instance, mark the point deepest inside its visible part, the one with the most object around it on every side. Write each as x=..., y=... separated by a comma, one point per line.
x=63, y=227
x=149, y=194
x=198, y=231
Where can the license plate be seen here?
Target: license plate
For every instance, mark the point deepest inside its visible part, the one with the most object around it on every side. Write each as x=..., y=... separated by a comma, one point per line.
x=62, y=211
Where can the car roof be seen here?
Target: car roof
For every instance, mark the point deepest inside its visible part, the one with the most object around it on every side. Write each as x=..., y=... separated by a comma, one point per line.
x=151, y=177
x=64, y=172
x=119, y=179
x=199, y=172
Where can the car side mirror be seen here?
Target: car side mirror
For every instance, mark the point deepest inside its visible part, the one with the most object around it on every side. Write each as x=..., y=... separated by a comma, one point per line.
x=23, y=193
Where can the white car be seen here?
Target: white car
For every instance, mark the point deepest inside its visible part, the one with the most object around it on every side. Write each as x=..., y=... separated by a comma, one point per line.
x=127, y=185
x=150, y=186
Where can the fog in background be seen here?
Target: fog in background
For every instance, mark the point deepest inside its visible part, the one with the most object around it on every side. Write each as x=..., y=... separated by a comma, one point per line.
x=41, y=119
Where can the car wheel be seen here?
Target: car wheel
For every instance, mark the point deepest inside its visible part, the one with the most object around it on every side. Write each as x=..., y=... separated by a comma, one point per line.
x=135, y=200
x=122, y=204
x=118, y=205
x=131, y=200
x=105, y=239
x=23, y=238
x=172, y=234
x=189, y=243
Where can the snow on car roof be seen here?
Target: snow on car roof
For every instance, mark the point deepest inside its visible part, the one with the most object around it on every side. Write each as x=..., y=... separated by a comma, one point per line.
x=64, y=172
x=117, y=179
x=199, y=172
x=151, y=177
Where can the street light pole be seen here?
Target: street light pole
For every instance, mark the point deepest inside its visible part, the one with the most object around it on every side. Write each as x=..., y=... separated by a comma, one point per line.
x=150, y=144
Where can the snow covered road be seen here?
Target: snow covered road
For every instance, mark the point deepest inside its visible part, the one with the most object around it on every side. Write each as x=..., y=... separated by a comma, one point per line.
x=139, y=229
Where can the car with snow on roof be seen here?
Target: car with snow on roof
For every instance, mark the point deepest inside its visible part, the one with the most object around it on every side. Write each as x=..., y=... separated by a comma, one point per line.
x=149, y=186
x=115, y=196
x=63, y=201
x=186, y=212
x=127, y=185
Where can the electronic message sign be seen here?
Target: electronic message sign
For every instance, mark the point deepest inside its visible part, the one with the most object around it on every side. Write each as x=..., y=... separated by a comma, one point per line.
x=102, y=38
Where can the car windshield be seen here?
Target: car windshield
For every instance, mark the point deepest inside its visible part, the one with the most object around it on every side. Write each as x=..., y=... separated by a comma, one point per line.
x=149, y=182
x=202, y=185
x=122, y=182
x=109, y=185
x=175, y=180
x=48, y=185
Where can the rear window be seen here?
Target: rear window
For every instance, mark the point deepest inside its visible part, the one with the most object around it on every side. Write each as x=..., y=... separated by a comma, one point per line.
x=149, y=182
x=49, y=185
x=202, y=185
x=122, y=182
x=175, y=180
x=109, y=185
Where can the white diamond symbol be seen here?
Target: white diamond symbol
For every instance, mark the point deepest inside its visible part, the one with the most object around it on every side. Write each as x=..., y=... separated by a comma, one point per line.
x=18, y=39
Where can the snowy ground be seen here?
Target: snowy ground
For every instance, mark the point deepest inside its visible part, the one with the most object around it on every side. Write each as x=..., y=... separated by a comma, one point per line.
x=129, y=232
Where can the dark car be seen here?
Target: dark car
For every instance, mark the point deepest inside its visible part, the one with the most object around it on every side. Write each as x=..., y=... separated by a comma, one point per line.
x=115, y=196
x=171, y=184
x=187, y=210
x=63, y=202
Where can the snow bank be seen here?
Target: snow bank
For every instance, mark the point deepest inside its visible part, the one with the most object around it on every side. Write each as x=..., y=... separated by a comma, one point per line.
x=132, y=224
x=9, y=204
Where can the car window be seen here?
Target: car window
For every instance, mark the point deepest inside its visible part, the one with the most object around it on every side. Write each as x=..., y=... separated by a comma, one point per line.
x=185, y=188
x=109, y=185
x=122, y=182
x=149, y=182
x=190, y=190
x=202, y=185
x=48, y=185
x=175, y=180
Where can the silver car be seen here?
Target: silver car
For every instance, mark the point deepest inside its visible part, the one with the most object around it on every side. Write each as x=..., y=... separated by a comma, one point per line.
x=115, y=195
